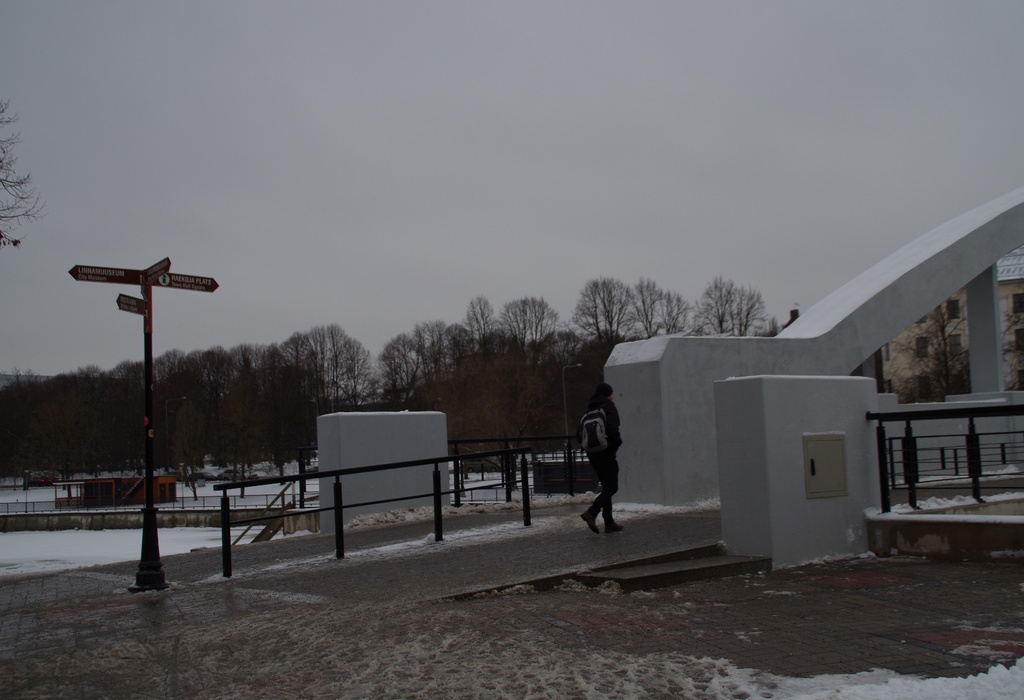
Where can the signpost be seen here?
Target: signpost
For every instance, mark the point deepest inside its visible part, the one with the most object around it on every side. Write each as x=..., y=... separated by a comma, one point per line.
x=132, y=304
x=150, y=575
x=150, y=274
x=114, y=275
x=196, y=284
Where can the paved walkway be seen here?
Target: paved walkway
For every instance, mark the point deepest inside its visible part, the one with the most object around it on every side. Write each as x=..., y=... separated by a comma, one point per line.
x=384, y=622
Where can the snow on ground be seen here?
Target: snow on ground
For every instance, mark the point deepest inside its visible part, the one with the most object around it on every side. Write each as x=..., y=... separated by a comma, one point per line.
x=39, y=552
x=1000, y=683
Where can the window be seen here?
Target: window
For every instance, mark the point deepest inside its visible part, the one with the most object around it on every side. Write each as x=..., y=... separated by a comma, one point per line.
x=1020, y=379
x=953, y=308
x=922, y=346
x=1018, y=338
x=1018, y=303
x=956, y=345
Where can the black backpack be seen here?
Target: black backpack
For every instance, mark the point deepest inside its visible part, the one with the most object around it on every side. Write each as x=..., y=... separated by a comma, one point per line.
x=593, y=431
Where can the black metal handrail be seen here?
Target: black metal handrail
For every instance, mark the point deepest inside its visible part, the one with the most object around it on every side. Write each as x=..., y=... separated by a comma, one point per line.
x=908, y=457
x=568, y=460
x=340, y=505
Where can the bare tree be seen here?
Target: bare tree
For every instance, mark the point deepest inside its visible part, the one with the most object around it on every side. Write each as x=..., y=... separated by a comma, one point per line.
x=658, y=311
x=20, y=201
x=748, y=312
x=342, y=368
x=674, y=313
x=530, y=323
x=646, y=302
x=727, y=309
x=604, y=311
x=187, y=447
x=936, y=358
x=357, y=380
x=399, y=369
x=482, y=325
x=431, y=343
x=714, y=308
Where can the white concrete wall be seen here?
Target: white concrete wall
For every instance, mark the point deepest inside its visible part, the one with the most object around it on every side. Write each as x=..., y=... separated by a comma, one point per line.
x=347, y=440
x=765, y=508
x=664, y=386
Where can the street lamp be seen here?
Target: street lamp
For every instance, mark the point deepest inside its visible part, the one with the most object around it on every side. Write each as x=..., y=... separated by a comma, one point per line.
x=565, y=402
x=167, y=431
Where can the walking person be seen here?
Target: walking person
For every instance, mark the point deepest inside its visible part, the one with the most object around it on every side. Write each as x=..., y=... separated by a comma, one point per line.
x=598, y=432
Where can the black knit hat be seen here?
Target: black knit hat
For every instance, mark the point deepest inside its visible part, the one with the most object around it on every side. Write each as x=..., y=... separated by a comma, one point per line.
x=603, y=389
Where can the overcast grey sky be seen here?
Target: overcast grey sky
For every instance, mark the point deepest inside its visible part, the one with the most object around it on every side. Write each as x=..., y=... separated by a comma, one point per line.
x=380, y=164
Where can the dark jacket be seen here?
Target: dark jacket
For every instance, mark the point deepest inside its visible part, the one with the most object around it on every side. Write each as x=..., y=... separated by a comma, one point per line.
x=611, y=423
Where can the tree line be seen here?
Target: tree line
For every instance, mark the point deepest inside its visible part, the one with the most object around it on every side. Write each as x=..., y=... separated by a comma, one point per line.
x=499, y=372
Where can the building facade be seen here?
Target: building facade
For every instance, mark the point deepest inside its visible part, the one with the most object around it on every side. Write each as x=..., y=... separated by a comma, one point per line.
x=930, y=359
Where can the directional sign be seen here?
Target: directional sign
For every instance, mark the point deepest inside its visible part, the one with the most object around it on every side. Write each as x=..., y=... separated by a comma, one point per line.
x=115, y=275
x=197, y=284
x=132, y=304
x=150, y=274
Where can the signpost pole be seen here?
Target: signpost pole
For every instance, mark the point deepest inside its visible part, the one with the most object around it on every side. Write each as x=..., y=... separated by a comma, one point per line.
x=150, y=575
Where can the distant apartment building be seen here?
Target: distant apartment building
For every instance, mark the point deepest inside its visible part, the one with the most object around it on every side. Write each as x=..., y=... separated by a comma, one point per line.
x=929, y=360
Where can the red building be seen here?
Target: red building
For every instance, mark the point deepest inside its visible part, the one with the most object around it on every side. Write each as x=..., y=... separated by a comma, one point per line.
x=114, y=491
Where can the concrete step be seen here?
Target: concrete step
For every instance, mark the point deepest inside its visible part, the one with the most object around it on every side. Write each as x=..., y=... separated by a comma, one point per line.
x=709, y=561
x=648, y=576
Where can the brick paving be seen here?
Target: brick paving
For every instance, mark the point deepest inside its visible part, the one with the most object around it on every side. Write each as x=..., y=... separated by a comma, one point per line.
x=296, y=621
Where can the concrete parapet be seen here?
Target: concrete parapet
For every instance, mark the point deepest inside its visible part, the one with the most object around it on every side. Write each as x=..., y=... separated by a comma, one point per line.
x=984, y=532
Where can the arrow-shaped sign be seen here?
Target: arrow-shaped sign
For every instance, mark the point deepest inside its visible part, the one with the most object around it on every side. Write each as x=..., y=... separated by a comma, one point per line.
x=115, y=275
x=197, y=284
x=150, y=274
x=132, y=304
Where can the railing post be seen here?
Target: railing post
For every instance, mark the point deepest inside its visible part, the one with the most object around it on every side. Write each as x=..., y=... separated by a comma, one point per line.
x=225, y=534
x=339, y=521
x=892, y=463
x=526, y=492
x=457, y=466
x=508, y=473
x=438, y=534
x=974, y=460
x=570, y=465
x=883, y=476
x=910, y=470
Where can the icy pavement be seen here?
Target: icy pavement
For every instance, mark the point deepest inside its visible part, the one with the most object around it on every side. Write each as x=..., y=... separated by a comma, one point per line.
x=382, y=622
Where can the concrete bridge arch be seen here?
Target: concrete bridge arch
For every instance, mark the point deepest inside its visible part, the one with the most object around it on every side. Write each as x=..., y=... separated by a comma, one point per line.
x=665, y=386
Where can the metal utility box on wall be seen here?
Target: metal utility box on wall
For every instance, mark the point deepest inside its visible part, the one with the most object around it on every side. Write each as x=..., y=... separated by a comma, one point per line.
x=825, y=465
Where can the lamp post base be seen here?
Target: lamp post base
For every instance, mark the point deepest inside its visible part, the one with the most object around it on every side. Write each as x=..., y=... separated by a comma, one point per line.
x=150, y=576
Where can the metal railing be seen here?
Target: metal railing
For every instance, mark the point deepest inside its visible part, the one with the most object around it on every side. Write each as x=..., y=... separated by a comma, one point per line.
x=339, y=505
x=937, y=460
x=181, y=503
x=553, y=461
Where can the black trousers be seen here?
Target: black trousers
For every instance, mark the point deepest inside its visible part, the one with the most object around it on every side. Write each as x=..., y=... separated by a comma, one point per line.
x=606, y=466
